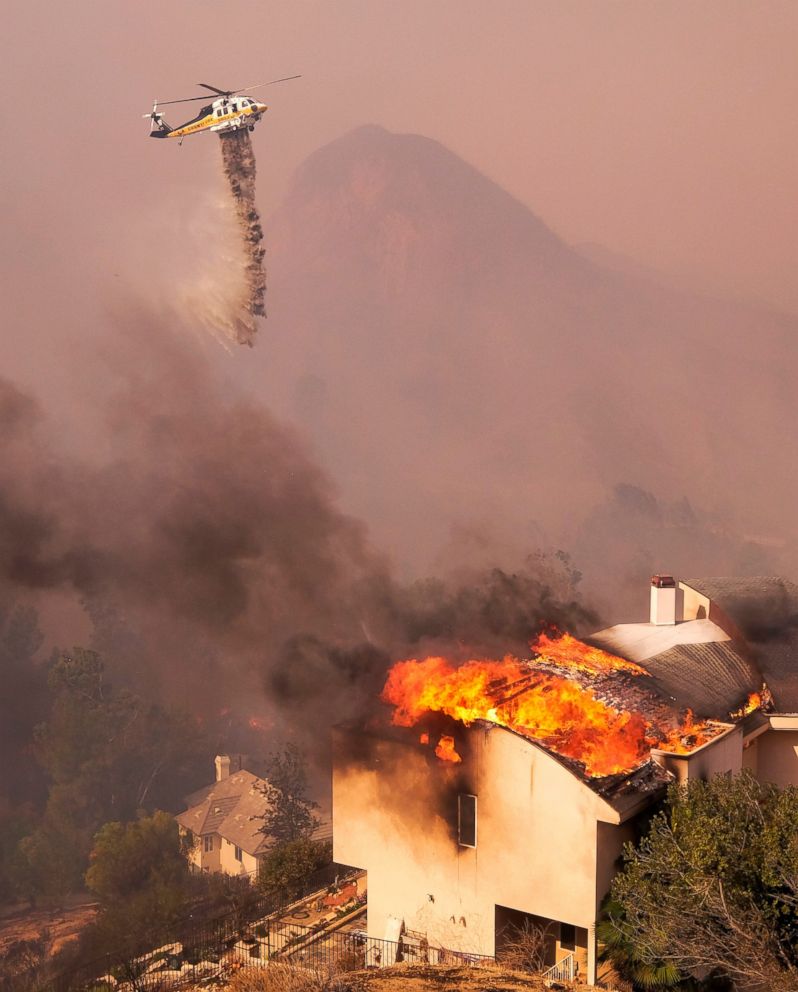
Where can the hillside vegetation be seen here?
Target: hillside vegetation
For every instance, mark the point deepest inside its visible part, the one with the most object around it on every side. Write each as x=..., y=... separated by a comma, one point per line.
x=399, y=978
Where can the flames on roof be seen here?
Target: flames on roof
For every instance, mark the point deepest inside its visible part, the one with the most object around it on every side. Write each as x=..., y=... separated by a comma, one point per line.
x=578, y=701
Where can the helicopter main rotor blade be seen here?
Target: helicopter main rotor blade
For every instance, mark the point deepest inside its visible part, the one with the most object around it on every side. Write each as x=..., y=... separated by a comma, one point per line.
x=283, y=79
x=188, y=99
x=215, y=89
x=225, y=93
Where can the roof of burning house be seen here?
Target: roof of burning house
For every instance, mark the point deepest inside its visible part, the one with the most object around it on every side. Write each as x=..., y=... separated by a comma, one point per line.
x=640, y=641
x=234, y=808
x=713, y=680
x=694, y=664
x=763, y=611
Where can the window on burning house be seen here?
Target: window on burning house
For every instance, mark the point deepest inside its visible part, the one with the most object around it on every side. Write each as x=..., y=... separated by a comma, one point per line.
x=466, y=820
x=207, y=842
x=237, y=852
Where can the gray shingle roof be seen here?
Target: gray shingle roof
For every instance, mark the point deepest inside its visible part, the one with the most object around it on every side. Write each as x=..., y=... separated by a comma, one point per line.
x=712, y=679
x=763, y=610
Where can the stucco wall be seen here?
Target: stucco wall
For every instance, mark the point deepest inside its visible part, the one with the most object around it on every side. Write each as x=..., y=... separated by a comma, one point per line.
x=230, y=864
x=694, y=605
x=394, y=814
x=724, y=754
x=777, y=757
x=209, y=860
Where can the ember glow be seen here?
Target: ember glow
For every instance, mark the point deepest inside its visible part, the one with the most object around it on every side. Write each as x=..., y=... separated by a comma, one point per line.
x=255, y=723
x=542, y=699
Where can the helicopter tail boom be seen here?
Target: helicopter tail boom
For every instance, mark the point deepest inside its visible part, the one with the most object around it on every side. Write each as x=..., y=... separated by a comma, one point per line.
x=161, y=130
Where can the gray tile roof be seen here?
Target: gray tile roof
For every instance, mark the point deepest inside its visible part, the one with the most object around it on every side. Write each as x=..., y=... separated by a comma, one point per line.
x=234, y=809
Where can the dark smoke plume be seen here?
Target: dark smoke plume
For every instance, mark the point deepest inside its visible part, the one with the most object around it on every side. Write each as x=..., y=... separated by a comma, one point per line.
x=212, y=558
x=238, y=159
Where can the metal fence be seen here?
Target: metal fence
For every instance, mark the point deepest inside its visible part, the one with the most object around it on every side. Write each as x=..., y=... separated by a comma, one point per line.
x=219, y=949
x=217, y=955
x=188, y=949
x=194, y=951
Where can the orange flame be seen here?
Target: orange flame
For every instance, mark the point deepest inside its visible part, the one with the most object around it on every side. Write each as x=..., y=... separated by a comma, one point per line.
x=687, y=736
x=564, y=650
x=446, y=750
x=566, y=717
x=754, y=702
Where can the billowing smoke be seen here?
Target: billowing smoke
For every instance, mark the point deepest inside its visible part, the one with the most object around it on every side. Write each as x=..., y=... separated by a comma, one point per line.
x=238, y=159
x=211, y=556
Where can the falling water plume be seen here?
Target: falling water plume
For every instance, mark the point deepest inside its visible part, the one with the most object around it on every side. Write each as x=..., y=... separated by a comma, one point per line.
x=238, y=159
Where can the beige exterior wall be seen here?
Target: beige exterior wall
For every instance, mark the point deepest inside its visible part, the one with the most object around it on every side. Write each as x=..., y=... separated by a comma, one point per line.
x=221, y=858
x=751, y=757
x=536, y=837
x=230, y=864
x=210, y=860
x=694, y=605
x=777, y=757
x=721, y=755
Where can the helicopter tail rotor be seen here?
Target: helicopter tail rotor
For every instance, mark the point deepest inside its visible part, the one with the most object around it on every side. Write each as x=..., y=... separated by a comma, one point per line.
x=158, y=126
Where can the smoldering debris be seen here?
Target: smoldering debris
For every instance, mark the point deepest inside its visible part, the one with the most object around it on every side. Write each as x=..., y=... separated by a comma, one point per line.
x=238, y=161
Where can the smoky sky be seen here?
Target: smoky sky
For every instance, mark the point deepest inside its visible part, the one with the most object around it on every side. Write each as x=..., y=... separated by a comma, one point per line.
x=467, y=409
x=211, y=553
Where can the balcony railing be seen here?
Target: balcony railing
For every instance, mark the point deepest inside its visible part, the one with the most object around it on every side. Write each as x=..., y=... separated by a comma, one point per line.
x=563, y=971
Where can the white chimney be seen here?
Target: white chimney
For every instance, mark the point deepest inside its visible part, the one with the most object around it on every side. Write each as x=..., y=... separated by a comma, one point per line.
x=222, y=762
x=663, y=599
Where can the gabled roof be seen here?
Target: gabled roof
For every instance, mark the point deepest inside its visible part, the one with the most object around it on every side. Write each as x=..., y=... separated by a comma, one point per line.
x=234, y=809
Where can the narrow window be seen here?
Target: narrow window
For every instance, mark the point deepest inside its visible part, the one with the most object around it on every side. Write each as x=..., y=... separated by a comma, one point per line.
x=238, y=854
x=467, y=820
x=207, y=842
x=567, y=937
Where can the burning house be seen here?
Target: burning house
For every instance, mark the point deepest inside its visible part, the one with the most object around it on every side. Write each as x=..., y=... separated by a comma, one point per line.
x=498, y=793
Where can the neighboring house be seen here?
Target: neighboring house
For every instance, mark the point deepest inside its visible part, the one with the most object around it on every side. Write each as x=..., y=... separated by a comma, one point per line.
x=516, y=833
x=225, y=820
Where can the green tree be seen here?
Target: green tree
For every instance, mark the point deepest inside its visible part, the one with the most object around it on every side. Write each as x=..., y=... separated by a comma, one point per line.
x=47, y=865
x=620, y=948
x=141, y=878
x=22, y=702
x=286, y=867
x=146, y=855
x=290, y=813
x=712, y=888
x=108, y=755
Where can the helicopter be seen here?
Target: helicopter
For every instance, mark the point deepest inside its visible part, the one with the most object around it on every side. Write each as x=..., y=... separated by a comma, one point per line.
x=230, y=111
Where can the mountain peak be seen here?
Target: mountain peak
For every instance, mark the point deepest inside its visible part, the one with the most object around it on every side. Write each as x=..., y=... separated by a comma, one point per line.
x=374, y=188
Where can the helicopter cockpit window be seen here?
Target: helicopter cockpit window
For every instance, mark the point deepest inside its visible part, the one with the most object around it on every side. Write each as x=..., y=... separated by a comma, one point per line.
x=219, y=112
